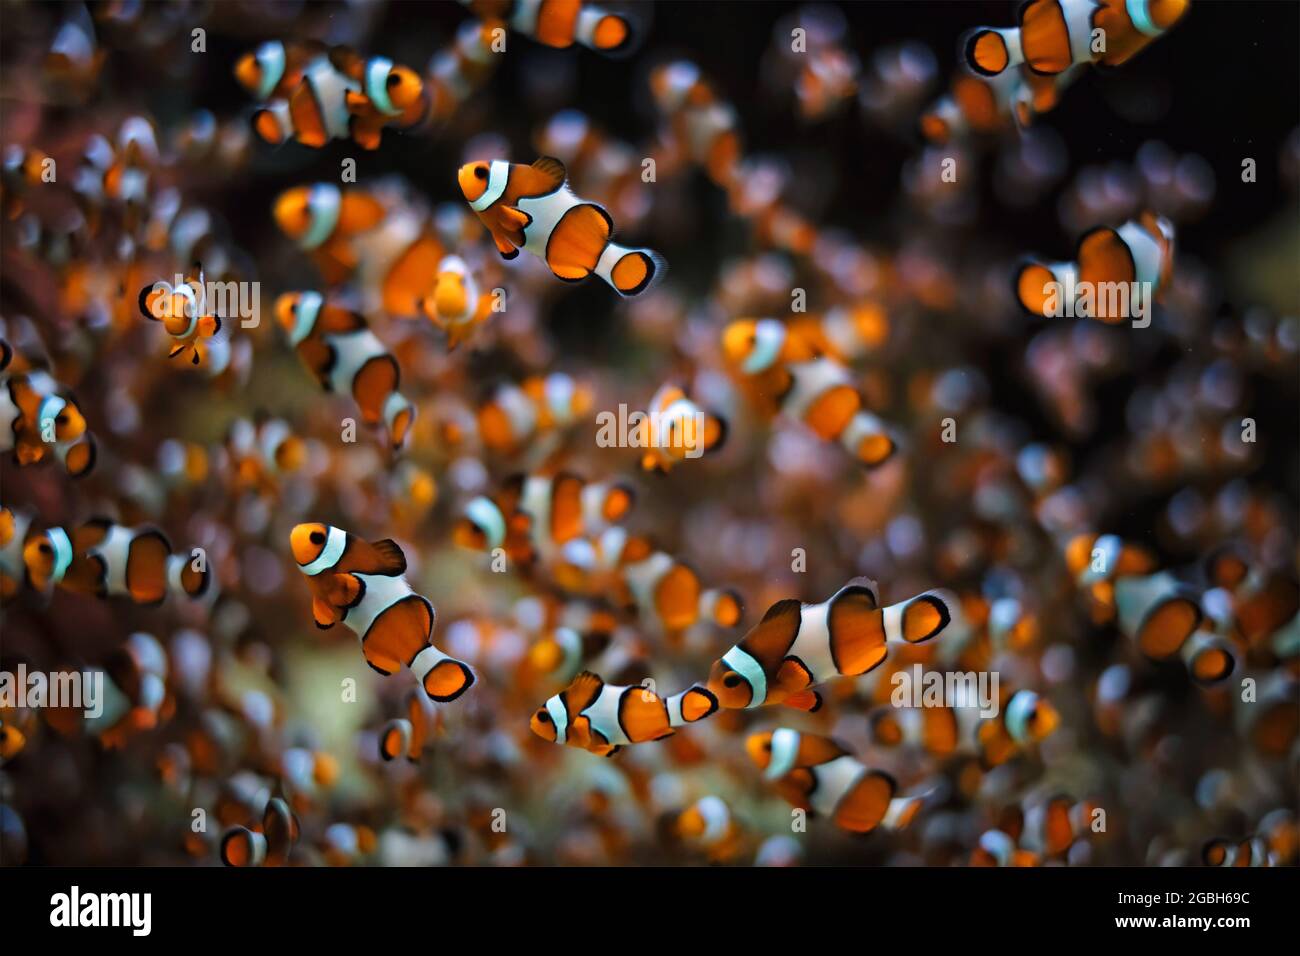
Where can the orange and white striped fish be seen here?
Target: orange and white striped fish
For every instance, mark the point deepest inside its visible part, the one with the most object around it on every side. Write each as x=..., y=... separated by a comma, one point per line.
x=532, y=208
x=344, y=356
x=275, y=68
x=456, y=305
x=675, y=428
x=821, y=776
x=604, y=718
x=184, y=313
x=798, y=646
x=457, y=72
x=268, y=845
x=38, y=416
x=364, y=586
x=1054, y=35
x=1115, y=275
x=817, y=391
x=704, y=128
x=407, y=736
x=323, y=219
x=516, y=414
x=561, y=23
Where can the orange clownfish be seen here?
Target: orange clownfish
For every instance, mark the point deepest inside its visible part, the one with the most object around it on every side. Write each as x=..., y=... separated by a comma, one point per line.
x=819, y=775
x=516, y=414
x=1055, y=35
x=38, y=416
x=344, y=356
x=275, y=68
x=1114, y=277
x=709, y=824
x=183, y=311
x=561, y=23
x=603, y=718
x=786, y=370
x=676, y=429
x=408, y=735
x=269, y=845
x=456, y=72
x=109, y=560
x=322, y=218
x=456, y=306
x=798, y=646
x=532, y=208
x=364, y=586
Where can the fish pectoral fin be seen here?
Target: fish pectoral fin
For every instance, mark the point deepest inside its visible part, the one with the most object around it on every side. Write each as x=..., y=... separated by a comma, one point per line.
x=345, y=590
x=505, y=248
x=808, y=700
x=792, y=676
x=323, y=614
x=515, y=219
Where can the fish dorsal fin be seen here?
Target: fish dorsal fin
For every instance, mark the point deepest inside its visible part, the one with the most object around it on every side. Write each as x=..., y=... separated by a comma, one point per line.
x=582, y=692
x=391, y=559
x=550, y=170
x=772, y=637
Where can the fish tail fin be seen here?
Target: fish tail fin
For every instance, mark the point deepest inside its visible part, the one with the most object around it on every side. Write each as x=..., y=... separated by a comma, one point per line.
x=630, y=271
x=443, y=677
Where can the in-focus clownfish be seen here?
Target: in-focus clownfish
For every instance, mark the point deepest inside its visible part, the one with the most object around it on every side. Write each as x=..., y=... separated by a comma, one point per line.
x=676, y=429
x=364, y=586
x=1055, y=35
x=532, y=208
x=390, y=95
x=561, y=23
x=1134, y=261
x=344, y=356
x=39, y=416
x=816, y=391
x=819, y=775
x=798, y=646
x=270, y=845
x=183, y=311
x=456, y=305
x=407, y=736
x=603, y=718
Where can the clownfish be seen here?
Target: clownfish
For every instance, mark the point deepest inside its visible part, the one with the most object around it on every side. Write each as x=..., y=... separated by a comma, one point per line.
x=709, y=824
x=798, y=646
x=535, y=516
x=37, y=416
x=344, y=356
x=456, y=306
x=675, y=429
x=532, y=208
x=705, y=129
x=13, y=569
x=323, y=219
x=816, y=391
x=270, y=845
x=561, y=23
x=1055, y=35
x=603, y=718
x=259, y=453
x=75, y=58
x=516, y=414
x=108, y=560
x=455, y=73
x=364, y=586
x=1052, y=827
x=1139, y=255
x=1024, y=719
x=990, y=104
x=275, y=68
x=135, y=692
x=408, y=735
x=183, y=311
x=666, y=593
x=819, y=775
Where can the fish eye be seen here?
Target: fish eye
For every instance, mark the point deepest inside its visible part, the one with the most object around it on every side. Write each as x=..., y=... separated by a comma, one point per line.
x=767, y=745
x=394, y=80
x=61, y=420
x=44, y=548
x=481, y=172
x=543, y=717
x=317, y=538
x=731, y=680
